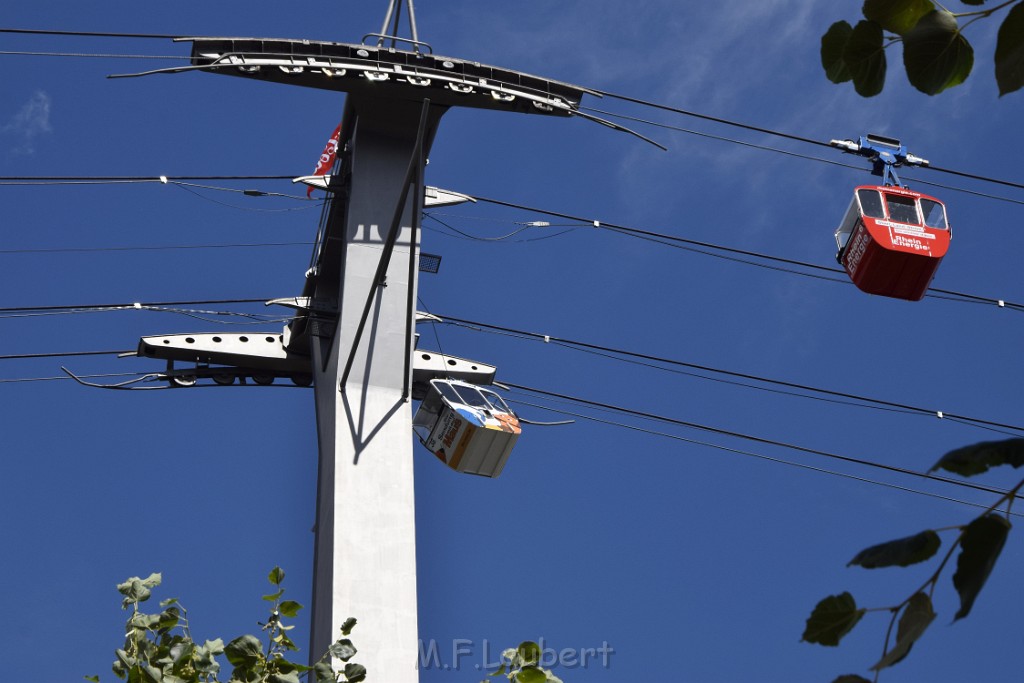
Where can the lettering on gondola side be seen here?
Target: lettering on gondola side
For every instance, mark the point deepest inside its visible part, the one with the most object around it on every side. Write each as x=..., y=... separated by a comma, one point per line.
x=444, y=434
x=450, y=430
x=910, y=243
x=857, y=248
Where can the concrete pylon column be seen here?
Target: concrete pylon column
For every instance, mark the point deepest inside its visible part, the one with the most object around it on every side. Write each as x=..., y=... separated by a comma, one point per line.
x=365, y=555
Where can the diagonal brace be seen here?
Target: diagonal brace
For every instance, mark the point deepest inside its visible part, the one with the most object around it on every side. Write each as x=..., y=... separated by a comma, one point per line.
x=413, y=176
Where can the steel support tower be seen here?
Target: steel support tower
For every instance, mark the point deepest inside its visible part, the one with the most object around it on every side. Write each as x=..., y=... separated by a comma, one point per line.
x=360, y=294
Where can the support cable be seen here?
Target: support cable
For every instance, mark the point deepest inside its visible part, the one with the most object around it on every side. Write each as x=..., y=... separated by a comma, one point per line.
x=758, y=439
x=759, y=456
x=546, y=338
x=714, y=119
x=109, y=179
x=806, y=157
x=86, y=307
x=601, y=93
x=620, y=410
x=1002, y=303
x=172, y=247
x=742, y=143
x=67, y=354
x=658, y=363
x=788, y=136
x=22, y=380
x=92, y=34
x=107, y=55
x=627, y=411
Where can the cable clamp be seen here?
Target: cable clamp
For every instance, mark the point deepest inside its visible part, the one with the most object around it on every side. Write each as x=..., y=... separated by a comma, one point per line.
x=1001, y=303
x=938, y=414
x=163, y=179
x=916, y=160
x=547, y=339
x=848, y=145
x=137, y=306
x=597, y=224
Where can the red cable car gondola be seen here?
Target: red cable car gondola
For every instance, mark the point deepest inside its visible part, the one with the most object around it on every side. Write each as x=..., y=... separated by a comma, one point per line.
x=892, y=240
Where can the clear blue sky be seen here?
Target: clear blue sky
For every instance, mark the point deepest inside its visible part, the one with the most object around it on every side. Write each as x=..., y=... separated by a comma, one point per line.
x=693, y=563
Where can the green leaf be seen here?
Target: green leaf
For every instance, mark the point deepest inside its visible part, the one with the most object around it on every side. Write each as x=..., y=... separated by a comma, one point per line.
x=978, y=458
x=284, y=678
x=94, y=679
x=347, y=627
x=897, y=16
x=273, y=597
x=244, y=651
x=285, y=666
x=324, y=673
x=343, y=649
x=499, y=672
x=151, y=674
x=205, y=661
x=289, y=608
x=511, y=656
x=355, y=673
x=169, y=618
x=980, y=545
x=902, y=552
x=169, y=601
x=529, y=652
x=832, y=618
x=935, y=54
x=143, y=621
x=1010, y=52
x=833, y=43
x=134, y=590
x=530, y=674
x=276, y=576
x=124, y=659
x=287, y=643
x=917, y=615
x=181, y=653
x=214, y=647
x=864, y=56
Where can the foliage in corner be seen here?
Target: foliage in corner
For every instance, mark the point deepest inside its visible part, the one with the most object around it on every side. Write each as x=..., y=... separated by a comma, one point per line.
x=522, y=665
x=159, y=648
x=980, y=541
x=936, y=54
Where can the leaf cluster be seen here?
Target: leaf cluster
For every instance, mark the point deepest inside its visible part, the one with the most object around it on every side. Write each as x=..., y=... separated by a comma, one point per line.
x=936, y=54
x=159, y=647
x=522, y=665
x=980, y=542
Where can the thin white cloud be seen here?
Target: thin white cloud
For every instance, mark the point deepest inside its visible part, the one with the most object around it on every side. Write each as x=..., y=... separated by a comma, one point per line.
x=31, y=121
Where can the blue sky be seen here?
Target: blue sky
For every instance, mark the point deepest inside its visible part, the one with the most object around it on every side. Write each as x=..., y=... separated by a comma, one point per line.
x=693, y=563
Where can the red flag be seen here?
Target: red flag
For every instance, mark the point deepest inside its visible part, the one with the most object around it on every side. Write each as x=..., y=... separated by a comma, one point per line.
x=326, y=160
